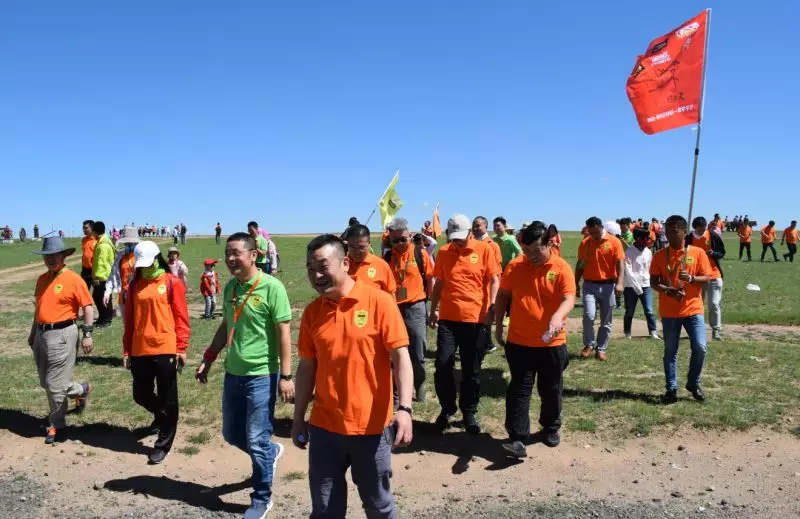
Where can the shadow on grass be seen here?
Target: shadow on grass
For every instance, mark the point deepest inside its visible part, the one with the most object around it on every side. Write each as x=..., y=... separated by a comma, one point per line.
x=100, y=435
x=462, y=445
x=612, y=394
x=114, y=362
x=192, y=494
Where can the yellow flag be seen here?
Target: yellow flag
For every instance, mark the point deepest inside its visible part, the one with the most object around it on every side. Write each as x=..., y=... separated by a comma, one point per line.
x=390, y=203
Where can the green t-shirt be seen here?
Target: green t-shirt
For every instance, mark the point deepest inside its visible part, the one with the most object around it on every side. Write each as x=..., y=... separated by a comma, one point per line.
x=509, y=248
x=261, y=243
x=627, y=239
x=255, y=349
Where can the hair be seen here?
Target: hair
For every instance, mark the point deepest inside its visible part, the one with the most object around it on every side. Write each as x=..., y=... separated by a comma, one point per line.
x=625, y=221
x=716, y=215
x=98, y=227
x=324, y=240
x=655, y=219
x=678, y=220
x=354, y=231
x=243, y=237
x=501, y=220
x=538, y=231
x=417, y=237
x=793, y=222
x=594, y=222
x=772, y=222
x=397, y=224
x=252, y=224
x=699, y=222
x=90, y=223
x=480, y=219
x=352, y=221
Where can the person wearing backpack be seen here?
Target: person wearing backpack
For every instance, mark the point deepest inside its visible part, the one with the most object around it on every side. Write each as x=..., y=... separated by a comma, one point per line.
x=155, y=340
x=413, y=273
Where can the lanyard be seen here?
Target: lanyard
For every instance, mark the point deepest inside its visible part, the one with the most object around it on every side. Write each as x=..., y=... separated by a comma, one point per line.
x=402, y=275
x=237, y=311
x=671, y=270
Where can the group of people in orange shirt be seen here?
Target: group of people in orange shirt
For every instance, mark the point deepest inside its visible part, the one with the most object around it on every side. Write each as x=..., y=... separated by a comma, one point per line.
x=768, y=237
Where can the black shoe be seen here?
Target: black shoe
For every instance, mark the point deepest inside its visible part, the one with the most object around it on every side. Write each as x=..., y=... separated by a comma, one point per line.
x=697, y=392
x=443, y=421
x=550, y=439
x=515, y=449
x=157, y=456
x=491, y=347
x=670, y=397
x=471, y=424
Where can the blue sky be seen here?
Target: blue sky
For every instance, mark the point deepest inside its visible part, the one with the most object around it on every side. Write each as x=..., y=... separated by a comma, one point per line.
x=296, y=114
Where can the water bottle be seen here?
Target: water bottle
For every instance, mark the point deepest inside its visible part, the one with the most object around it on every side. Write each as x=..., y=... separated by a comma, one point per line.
x=302, y=440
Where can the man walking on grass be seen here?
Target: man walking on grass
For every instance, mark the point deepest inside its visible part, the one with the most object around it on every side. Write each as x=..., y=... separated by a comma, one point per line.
x=480, y=232
x=678, y=274
x=509, y=246
x=87, y=252
x=601, y=261
x=258, y=364
x=102, y=263
x=711, y=243
x=351, y=337
x=768, y=241
x=745, y=232
x=365, y=265
x=790, y=238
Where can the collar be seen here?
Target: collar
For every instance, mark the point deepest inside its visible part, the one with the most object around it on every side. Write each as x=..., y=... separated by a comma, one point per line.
x=249, y=282
x=369, y=258
x=699, y=236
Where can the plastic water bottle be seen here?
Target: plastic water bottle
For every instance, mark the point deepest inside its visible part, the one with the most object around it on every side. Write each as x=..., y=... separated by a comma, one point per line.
x=301, y=439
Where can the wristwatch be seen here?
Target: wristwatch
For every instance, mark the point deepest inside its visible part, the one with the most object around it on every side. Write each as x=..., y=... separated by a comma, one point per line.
x=406, y=409
x=286, y=377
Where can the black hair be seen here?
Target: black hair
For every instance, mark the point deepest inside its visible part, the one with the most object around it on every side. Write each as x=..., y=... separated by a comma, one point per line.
x=772, y=222
x=501, y=220
x=417, y=236
x=626, y=221
x=90, y=223
x=699, y=222
x=352, y=221
x=678, y=220
x=793, y=222
x=594, y=222
x=324, y=240
x=538, y=231
x=481, y=218
x=252, y=224
x=357, y=231
x=243, y=237
x=99, y=227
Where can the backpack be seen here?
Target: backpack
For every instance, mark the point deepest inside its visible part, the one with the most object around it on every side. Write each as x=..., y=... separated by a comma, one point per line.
x=387, y=257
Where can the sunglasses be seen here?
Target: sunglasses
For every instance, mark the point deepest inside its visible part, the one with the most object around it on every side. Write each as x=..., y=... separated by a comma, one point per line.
x=399, y=240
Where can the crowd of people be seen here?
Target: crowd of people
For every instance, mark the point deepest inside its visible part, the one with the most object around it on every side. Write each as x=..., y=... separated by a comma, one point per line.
x=362, y=343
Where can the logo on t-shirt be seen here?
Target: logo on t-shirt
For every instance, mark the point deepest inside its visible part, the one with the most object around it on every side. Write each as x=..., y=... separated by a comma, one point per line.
x=606, y=246
x=162, y=289
x=551, y=275
x=690, y=260
x=58, y=289
x=371, y=272
x=360, y=318
x=473, y=258
x=256, y=301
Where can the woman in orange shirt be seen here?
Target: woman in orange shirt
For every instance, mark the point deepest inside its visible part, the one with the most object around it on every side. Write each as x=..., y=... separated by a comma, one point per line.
x=155, y=340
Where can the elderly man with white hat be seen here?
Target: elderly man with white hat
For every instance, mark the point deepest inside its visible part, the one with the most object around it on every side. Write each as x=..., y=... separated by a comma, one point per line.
x=460, y=307
x=60, y=295
x=122, y=271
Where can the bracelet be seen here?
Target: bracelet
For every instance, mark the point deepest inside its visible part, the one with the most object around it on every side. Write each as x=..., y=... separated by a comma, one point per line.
x=209, y=355
x=404, y=408
x=87, y=328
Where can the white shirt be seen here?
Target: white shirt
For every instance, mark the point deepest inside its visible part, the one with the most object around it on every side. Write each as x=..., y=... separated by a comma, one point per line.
x=637, y=268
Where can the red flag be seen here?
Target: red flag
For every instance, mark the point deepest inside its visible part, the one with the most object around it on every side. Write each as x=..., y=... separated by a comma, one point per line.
x=665, y=87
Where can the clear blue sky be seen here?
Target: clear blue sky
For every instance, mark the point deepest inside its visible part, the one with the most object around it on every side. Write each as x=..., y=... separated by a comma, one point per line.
x=296, y=114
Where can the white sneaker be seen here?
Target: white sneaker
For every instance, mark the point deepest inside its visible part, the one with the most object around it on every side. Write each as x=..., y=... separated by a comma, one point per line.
x=628, y=336
x=278, y=455
x=655, y=336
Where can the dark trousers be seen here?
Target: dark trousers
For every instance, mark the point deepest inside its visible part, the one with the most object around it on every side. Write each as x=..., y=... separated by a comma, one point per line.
x=525, y=364
x=464, y=337
x=792, y=251
x=159, y=373
x=764, y=247
x=86, y=275
x=105, y=313
x=742, y=248
x=217, y=237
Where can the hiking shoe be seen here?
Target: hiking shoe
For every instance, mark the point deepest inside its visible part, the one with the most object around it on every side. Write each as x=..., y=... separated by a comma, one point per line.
x=81, y=400
x=715, y=335
x=157, y=456
x=654, y=335
x=279, y=450
x=601, y=355
x=628, y=336
x=550, y=439
x=472, y=424
x=515, y=449
x=443, y=421
x=670, y=397
x=587, y=352
x=258, y=510
x=491, y=347
x=697, y=392
x=50, y=438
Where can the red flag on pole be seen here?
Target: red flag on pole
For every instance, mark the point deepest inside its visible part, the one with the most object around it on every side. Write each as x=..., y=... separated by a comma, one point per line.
x=665, y=87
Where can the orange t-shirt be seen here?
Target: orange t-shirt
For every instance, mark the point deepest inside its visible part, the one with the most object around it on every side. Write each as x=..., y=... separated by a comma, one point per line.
x=697, y=264
x=156, y=323
x=770, y=235
x=126, y=272
x=87, y=251
x=705, y=243
x=60, y=296
x=406, y=274
x=600, y=258
x=536, y=293
x=351, y=341
x=744, y=234
x=790, y=235
x=465, y=272
x=374, y=271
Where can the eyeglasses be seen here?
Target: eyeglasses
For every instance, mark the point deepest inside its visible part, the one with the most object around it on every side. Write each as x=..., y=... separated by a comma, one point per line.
x=235, y=253
x=400, y=240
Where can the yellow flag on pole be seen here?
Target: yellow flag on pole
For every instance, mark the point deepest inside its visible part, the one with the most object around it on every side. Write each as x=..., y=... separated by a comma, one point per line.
x=390, y=202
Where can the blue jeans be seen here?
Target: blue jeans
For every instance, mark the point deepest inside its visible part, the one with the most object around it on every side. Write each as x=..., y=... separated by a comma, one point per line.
x=696, y=328
x=631, y=298
x=248, y=408
x=594, y=295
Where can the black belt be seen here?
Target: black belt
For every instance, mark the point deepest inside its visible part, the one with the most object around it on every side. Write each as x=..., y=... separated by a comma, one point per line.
x=55, y=326
x=602, y=281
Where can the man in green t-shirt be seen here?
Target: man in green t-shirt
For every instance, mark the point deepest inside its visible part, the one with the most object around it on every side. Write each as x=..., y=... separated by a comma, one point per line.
x=262, y=247
x=509, y=247
x=258, y=363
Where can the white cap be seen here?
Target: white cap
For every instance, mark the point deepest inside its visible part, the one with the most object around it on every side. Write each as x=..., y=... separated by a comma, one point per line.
x=458, y=227
x=145, y=254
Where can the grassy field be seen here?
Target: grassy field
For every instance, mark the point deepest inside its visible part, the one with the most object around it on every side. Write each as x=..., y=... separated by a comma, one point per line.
x=17, y=253
x=750, y=379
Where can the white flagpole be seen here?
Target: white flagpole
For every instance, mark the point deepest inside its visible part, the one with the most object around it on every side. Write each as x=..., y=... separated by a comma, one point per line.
x=381, y=198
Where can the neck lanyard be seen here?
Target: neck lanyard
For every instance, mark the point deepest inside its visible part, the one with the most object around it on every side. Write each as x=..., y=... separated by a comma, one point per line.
x=671, y=270
x=402, y=275
x=237, y=311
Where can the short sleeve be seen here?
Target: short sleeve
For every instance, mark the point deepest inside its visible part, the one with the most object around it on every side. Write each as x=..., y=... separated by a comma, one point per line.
x=505, y=281
x=655, y=265
x=278, y=301
x=438, y=269
x=620, y=251
x=493, y=266
x=305, y=341
x=82, y=296
x=427, y=267
x=703, y=265
x=391, y=282
x=392, y=327
x=566, y=280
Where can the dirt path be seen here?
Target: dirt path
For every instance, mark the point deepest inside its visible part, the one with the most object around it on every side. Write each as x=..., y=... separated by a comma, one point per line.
x=752, y=474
